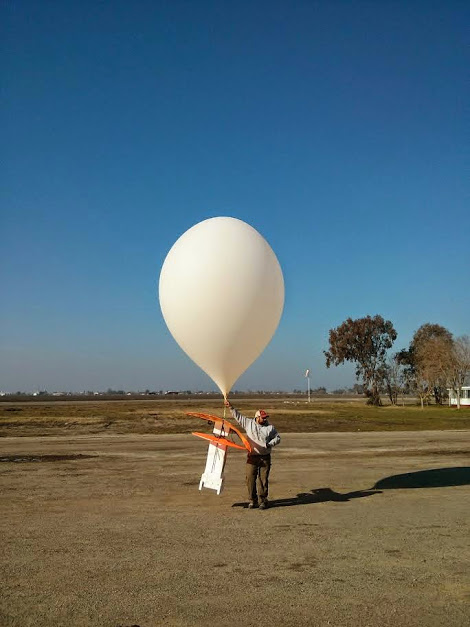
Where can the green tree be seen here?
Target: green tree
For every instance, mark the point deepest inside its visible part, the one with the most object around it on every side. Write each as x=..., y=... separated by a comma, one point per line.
x=357, y=388
x=365, y=342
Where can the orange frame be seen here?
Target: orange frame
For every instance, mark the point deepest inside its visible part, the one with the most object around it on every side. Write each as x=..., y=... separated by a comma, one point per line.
x=222, y=425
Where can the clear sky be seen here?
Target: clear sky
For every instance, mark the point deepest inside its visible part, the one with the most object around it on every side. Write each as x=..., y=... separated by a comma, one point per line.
x=336, y=129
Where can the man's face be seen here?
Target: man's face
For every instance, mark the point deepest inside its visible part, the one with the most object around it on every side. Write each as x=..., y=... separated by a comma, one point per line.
x=261, y=420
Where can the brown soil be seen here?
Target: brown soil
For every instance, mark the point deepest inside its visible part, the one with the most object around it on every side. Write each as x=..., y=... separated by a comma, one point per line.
x=111, y=530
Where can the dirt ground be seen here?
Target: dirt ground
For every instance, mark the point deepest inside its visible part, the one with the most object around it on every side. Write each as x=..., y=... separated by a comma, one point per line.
x=365, y=529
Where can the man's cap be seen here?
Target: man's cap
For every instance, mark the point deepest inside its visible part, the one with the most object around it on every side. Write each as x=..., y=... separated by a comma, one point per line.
x=261, y=414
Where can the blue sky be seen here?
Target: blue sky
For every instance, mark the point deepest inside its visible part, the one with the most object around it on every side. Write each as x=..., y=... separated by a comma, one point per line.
x=336, y=129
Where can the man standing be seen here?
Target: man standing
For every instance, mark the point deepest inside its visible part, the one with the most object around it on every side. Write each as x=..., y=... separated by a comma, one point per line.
x=262, y=437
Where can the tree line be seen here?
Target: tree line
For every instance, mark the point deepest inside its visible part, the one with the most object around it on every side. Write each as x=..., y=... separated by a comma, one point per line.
x=434, y=361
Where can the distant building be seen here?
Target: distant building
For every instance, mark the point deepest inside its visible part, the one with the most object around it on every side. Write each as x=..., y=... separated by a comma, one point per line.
x=464, y=396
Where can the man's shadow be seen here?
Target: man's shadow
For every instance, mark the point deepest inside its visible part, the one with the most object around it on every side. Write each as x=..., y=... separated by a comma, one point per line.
x=317, y=495
x=435, y=478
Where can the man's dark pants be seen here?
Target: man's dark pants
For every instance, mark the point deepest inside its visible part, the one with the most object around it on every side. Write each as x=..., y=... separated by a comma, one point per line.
x=257, y=471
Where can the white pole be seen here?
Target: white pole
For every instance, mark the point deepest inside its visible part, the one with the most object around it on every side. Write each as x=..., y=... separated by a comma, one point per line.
x=307, y=376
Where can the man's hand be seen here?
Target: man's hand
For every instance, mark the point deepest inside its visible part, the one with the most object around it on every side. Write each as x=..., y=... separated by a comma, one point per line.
x=227, y=403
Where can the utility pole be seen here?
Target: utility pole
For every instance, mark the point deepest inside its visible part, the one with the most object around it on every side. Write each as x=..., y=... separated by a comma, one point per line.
x=307, y=376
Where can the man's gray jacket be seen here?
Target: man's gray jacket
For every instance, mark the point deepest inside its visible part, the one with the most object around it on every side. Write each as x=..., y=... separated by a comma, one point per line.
x=261, y=437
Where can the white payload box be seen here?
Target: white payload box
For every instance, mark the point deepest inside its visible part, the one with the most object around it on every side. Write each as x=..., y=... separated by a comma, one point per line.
x=213, y=475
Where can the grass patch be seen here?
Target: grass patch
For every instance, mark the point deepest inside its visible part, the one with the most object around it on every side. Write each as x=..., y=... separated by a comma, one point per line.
x=168, y=416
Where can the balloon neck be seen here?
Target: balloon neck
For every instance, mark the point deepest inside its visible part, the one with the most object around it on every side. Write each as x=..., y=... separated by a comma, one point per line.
x=225, y=406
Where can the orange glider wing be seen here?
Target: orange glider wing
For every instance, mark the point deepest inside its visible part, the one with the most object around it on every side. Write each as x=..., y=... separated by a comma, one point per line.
x=218, y=440
x=222, y=425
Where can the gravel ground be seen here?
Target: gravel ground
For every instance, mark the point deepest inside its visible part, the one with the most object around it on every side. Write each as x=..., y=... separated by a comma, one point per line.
x=364, y=529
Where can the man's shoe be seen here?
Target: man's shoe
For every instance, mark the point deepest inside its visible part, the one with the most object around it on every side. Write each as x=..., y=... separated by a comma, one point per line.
x=264, y=505
x=252, y=505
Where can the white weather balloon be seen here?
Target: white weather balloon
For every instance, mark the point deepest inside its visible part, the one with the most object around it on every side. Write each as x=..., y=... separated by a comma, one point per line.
x=222, y=295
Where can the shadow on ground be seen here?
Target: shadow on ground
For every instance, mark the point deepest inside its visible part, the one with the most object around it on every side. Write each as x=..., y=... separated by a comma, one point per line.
x=435, y=478
x=319, y=495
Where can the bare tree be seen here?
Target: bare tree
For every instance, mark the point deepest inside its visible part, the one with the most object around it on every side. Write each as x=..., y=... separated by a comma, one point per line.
x=459, y=365
x=423, y=367
x=432, y=363
x=394, y=378
x=421, y=385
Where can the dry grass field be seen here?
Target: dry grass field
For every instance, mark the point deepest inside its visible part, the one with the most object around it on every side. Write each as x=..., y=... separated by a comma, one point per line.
x=103, y=523
x=164, y=415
